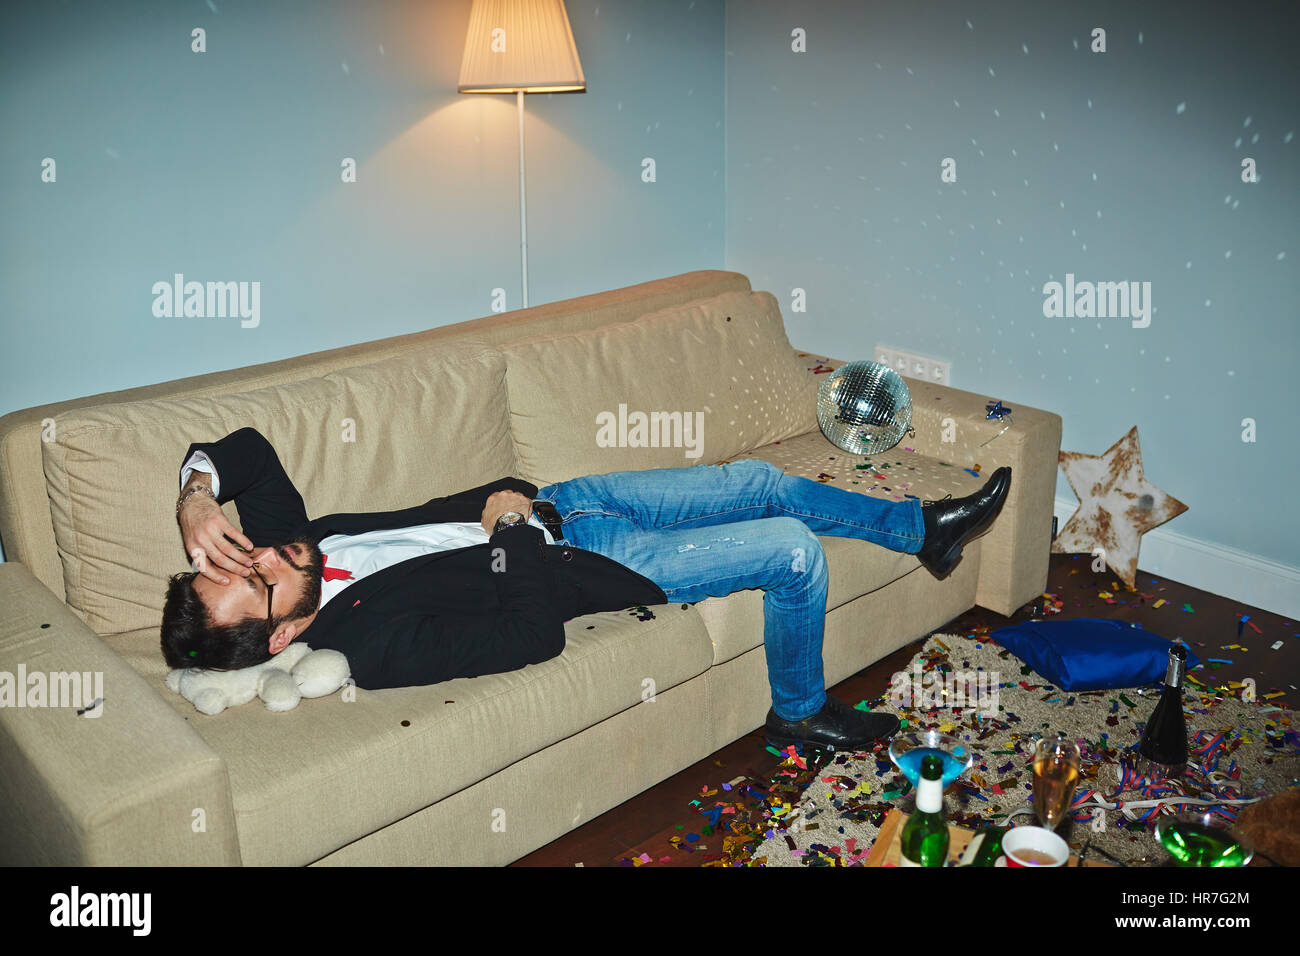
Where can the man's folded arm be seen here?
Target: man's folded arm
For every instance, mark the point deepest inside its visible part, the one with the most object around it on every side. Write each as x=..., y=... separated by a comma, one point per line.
x=462, y=506
x=524, y=629
x=270, y=507
x=481, y=493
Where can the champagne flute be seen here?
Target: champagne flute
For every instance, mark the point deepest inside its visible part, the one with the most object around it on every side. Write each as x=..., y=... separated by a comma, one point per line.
x=1056, y=771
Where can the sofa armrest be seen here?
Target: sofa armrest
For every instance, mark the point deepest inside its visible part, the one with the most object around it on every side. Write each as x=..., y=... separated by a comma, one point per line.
x=116, y=785
x=952, y=425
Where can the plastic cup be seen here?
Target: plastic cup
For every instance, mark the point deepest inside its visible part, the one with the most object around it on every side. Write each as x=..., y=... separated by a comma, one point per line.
x=1039, y=840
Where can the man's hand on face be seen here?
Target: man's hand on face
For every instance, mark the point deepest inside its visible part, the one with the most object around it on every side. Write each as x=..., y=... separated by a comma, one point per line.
x=499, y=502
x=212, y=542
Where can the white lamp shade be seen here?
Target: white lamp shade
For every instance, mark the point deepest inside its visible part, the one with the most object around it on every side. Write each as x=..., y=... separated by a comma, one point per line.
x=519, y=45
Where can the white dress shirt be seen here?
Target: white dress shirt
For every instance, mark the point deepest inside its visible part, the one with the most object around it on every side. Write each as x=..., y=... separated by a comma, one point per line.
x=364, y=554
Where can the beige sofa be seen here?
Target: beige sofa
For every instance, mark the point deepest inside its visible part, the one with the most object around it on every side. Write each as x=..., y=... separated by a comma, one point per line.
x=474, y=771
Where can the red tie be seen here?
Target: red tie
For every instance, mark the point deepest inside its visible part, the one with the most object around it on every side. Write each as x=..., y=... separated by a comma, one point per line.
x=333, y=574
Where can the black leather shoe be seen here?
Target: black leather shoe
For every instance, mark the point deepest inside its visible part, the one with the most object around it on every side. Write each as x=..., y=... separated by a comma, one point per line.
x=952, y=522
x=837, y=726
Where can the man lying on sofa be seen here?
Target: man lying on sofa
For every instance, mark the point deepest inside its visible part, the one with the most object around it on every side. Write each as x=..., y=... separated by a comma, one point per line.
x=481, y=582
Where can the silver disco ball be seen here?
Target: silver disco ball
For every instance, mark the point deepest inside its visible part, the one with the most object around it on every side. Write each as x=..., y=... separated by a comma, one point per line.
x=864, y=407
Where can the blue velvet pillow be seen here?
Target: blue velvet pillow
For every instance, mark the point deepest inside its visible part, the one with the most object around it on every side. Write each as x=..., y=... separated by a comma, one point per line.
x=1089, y=653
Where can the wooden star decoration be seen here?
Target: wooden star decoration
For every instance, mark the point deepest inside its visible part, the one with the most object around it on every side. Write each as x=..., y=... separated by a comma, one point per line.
x=1117, y=505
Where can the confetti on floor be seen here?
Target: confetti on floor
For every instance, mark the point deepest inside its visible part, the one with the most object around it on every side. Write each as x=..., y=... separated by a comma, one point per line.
x=821, y=809
x=823, y=805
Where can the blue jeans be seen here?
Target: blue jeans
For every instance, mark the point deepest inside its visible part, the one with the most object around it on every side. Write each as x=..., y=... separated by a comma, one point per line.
x=708, y=530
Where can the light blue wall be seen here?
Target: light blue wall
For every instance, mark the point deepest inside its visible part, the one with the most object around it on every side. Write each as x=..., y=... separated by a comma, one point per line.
x=833, y=186
x=225, y=165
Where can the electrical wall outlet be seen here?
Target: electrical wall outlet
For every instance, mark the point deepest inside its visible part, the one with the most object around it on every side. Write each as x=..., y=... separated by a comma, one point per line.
x=912, y=365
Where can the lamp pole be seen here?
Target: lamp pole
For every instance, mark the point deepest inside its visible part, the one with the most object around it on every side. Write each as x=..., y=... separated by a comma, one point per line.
x=523, y=197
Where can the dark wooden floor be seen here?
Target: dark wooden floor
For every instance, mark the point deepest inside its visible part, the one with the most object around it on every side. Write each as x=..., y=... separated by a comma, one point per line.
x=1209, y=623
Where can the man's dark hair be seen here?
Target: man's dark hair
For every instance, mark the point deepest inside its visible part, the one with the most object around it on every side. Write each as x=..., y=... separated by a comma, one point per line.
x=191, y=639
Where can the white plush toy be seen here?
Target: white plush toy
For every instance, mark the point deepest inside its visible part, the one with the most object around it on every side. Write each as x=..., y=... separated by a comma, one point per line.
x=296, y=672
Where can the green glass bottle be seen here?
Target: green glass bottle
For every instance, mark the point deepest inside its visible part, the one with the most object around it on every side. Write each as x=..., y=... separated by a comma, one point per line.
x=925, y=837
x=984, y=848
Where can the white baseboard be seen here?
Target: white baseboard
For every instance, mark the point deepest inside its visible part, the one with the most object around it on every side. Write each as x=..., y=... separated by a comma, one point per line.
x=1220, y=570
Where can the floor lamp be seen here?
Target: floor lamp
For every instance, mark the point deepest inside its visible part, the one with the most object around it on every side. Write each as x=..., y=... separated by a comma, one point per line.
x=520, y=46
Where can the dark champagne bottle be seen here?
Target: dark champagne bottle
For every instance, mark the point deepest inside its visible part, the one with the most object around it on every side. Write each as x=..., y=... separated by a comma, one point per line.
x=1163, y=747
x=925, y=837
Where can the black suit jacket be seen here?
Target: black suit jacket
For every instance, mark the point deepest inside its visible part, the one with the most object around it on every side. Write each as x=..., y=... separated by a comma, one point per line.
x=442, y=615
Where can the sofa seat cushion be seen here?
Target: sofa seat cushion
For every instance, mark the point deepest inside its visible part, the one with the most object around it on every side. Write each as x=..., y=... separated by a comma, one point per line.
x=894, y=475
x=694, y=384
x=370, y=438
x=313, y=779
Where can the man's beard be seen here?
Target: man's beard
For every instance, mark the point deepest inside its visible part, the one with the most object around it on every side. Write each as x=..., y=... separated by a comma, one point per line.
x=313, y=565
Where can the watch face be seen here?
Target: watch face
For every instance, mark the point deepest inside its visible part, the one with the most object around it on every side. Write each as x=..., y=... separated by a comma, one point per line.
x=509, y=519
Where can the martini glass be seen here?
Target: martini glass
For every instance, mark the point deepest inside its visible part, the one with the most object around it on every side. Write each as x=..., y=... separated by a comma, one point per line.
x=908, y=750
x=1200, y=838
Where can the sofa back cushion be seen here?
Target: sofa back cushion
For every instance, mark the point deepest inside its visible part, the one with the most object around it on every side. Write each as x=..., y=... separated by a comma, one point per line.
x=369, y=438
x=693, y=384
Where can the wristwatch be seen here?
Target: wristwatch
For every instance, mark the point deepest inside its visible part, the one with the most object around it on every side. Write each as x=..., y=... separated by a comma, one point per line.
x=508, y=520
